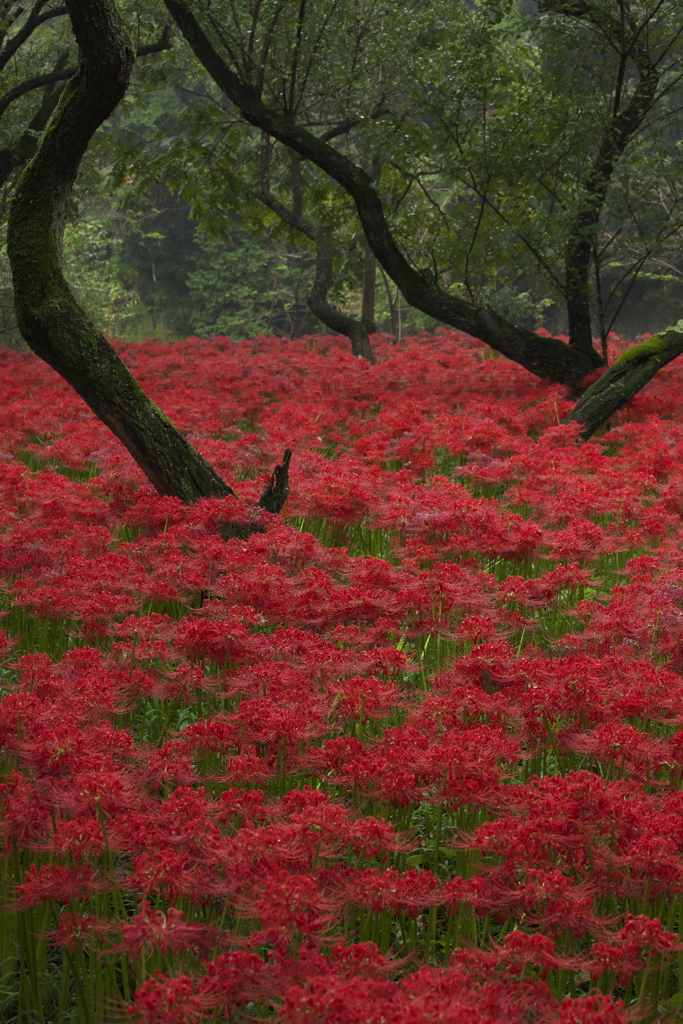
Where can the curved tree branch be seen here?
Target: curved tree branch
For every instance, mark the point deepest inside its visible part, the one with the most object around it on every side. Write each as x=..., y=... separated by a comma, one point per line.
x=62, y=74
x=31, y=84
x=340, y=322
x=26, y=146
x=53, y=81
x=36, y=17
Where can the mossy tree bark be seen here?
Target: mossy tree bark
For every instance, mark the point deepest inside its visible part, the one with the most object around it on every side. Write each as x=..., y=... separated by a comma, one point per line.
x=624, y=379
x=49, y=318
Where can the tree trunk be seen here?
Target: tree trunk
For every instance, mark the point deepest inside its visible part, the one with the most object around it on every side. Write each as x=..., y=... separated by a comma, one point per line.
x=50, y=320
x=369, y=274
x=583, y=232
x=341, y=323
x=338, y=321
x=625, y=378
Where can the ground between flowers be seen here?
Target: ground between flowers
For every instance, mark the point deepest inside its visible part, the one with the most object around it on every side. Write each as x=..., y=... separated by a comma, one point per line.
x=413, y=754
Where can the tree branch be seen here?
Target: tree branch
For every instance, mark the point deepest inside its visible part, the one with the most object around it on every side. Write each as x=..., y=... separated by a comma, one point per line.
x=36, y=17
x=31, y=84
x=62, y=74
x=27, y=145
x=355, y=330
x=334, y=318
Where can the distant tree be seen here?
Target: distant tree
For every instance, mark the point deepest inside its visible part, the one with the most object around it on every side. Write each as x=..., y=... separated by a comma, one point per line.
x=355, y=328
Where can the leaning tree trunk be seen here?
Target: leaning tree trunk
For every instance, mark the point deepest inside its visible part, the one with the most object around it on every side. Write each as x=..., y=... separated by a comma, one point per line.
x=50, y=320
x=625, y=378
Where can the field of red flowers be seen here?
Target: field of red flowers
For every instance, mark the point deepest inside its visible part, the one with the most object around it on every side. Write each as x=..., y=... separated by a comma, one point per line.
x=412, y=754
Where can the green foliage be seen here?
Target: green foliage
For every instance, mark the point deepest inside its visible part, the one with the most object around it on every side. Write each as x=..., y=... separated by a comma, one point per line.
x=237, y=289
x=92, y=256
x=158, y=274
x=478, y=121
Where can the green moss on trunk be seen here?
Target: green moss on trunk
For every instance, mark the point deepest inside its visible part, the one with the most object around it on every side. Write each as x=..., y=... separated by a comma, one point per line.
x=657, y=343
x=625, y=378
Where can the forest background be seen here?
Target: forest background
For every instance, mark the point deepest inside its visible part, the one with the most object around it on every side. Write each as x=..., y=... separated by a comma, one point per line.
x=169, y=235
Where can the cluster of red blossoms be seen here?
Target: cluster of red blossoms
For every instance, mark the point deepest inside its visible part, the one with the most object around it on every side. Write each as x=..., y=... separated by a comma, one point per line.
x=410, y=755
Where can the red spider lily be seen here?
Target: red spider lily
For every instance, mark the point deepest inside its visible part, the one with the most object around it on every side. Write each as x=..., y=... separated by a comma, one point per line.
x=162, y=1000
x=405, y=766
x=267, y=721
x=293, y=641
x=200, y=640
x=54, y=881
x=652, y=862
x=72, y=929
x=640, y=754
x=166, y=932
x=168, y=766
x=642, y=943
x=540, y=592
x=232, y=979
x=315, y=834
x=549, y=899
x=173, y=874
x=82, y=682
x=26, y=814
x=79, y=837
x=583, y=692
x=215, y=734
x=517, y=952
x=592, y=1009
x=565, y=823
x=362, y=697
x=14, y=709
x=287, y=908
x=428, y=995
x=236, y=804
x=398, y=891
